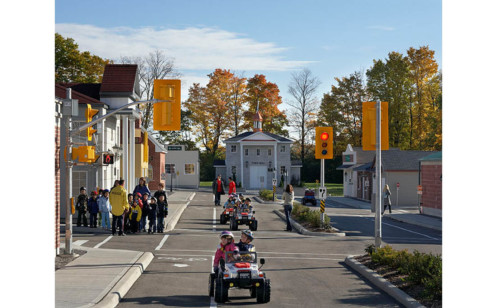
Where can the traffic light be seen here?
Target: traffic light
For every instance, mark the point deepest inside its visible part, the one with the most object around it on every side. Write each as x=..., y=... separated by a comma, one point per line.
x=108, y=159
x=167, y=115
x=89, y=114
x=85, y=154
x=324, y=143
x=369, y=126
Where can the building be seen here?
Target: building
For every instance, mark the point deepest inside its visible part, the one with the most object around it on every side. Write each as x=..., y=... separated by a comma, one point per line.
x=255, y=158
x=182, y=166
x=431, y=184
x=400, y=170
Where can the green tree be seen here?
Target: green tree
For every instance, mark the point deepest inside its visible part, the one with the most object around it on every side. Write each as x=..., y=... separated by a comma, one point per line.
x=71, y=65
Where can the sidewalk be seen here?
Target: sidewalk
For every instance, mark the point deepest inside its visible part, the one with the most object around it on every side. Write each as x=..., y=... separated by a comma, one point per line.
x=101, y=277
x=407, y=215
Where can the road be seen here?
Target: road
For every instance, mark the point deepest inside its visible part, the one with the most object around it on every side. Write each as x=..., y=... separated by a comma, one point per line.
x=305, y=271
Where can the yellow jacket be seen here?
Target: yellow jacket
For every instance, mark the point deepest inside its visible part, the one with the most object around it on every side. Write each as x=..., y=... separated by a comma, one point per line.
x=118, y=199
x=135, y=209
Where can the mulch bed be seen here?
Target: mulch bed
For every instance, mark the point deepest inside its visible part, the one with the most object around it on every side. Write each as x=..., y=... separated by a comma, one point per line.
x=62, y=260
x=398, y=280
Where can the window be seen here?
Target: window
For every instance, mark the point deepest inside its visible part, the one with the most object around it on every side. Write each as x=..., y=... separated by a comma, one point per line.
x=283, y=148
x=233, y=149
x=246, y=164
x=246, y=152
x=258, y=152
x=282, y=170
x=270, y=165
x=170, y=168
x=268, y=152
x=189, y=169
x=150, y=172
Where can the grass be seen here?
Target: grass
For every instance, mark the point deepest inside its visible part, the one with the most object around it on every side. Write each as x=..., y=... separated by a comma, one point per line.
x=206, y=184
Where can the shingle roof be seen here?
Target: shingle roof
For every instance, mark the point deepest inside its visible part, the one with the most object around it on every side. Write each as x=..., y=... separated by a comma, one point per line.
x=88, y=89
x=119, y=78
x=60, y=91
x=402, y=160
x=246, y=134
x=219, y=163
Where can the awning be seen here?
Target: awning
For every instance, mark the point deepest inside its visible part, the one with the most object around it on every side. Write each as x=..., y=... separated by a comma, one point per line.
x=343, y=167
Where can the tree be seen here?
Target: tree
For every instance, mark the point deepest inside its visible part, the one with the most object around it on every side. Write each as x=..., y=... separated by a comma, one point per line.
x=303, y=88
x=71, y=65
x=156, y=65
x=265, y=95
x=238, y=90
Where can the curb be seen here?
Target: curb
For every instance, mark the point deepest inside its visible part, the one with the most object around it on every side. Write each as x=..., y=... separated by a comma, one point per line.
x=126, y=282
x=303, y=230
x=413, y=223
x=266, y=202
x=172, y=223
x=382, y=283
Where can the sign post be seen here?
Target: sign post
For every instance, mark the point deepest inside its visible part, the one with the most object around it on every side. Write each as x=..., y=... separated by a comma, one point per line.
x=398, y=186
x=274, y=188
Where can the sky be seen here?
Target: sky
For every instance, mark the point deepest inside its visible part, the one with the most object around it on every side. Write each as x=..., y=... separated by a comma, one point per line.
x=275, y=38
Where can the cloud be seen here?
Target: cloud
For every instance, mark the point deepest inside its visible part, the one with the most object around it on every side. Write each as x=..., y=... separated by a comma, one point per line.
x=383, y=28
x=193, y=48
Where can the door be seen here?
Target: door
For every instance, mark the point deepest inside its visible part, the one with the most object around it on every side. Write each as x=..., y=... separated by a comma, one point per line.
x=258, y=177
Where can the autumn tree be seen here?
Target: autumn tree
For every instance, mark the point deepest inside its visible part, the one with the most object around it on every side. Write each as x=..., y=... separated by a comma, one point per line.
x=266, y=96
x=156, y=65
x=304, y=105
x=390, y=82
x=71, y=65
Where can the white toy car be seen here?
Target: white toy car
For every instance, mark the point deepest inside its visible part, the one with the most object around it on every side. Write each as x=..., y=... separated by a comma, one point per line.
x=240, y=271
x=243, y=216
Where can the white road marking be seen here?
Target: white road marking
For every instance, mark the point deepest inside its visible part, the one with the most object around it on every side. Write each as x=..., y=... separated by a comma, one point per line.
x=103, y=242
x=180, y=265
x=213, y=302
x=79, y=242
x=214, y=220
x=273, y=252
x=433, y=238
x=162, y=242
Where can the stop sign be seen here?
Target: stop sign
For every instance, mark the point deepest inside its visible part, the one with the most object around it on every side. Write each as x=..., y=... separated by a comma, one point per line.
x=398, y=184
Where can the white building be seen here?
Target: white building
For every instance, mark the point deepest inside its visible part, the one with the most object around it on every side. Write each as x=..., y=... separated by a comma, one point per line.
x=182, y=166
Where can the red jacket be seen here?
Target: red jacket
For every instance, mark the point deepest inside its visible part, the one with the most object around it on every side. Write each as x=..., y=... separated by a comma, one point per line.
x=232, y=189
x=221, y=250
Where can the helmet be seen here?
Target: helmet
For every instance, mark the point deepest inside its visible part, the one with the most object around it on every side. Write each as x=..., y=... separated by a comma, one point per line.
x=82, y=188
x=226, y=234
x=139, y=195
x=249, y=234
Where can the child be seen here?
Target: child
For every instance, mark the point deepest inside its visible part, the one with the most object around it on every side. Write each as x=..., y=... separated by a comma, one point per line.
x=225, y=245
x=161, y=213
x=82, y=206
x=145, y=209
x=126, y=212
x=100, y=195
x=246, y=204
x=152, y=216
x=104, y=209
x=135, y=215
x=93, y=209
x=246, y=238
x=231, y=200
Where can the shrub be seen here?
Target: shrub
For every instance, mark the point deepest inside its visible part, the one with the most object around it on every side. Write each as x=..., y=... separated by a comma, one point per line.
x=303, y=213
x=266, y=194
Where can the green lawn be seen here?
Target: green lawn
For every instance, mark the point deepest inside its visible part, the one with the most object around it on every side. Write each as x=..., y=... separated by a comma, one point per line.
x=206, y=184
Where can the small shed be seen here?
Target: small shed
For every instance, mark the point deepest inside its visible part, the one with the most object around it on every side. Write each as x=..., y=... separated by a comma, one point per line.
x=431, y=184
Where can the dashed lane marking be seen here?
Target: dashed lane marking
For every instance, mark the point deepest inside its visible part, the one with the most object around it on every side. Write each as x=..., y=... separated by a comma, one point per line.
x=162, y=242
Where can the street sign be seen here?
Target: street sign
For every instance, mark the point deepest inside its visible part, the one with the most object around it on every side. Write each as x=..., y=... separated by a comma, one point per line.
x=322, y=193
x=322, y=205
x=274, y=182
x=420, y=190
x=163, y=176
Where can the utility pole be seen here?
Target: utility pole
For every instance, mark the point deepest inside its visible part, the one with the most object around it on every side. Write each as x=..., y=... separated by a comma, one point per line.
x=69, y=108
x=377, y=234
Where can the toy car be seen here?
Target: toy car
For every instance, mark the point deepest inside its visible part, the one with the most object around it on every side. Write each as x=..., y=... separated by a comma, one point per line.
x=226, y=214
x=309, y=197
x=240, y=270
x=243, y=216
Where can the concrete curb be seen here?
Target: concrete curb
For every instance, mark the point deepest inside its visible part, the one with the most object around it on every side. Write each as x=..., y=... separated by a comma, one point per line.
x=172, y=223
x=126, y=282
x=382, y=283
x=266, y=202
x=303, y=230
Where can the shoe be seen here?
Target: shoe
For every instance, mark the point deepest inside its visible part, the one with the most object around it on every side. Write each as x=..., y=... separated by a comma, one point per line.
x=149, y=231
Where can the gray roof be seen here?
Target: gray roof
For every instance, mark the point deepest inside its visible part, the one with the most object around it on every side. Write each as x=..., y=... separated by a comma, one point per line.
x=364, y=157
x=296, y=163
x=435, y=156
x=219, y=163
x=246, y=134
x=401, y=160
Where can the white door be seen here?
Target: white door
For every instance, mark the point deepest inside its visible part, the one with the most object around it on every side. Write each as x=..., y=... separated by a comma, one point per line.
x=258, y=177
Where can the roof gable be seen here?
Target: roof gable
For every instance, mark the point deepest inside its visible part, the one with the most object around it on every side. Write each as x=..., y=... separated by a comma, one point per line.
x=60, y=91
x=120, y=78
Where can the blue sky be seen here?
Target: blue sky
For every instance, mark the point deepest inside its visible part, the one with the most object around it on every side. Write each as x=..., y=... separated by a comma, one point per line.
x=274, y=38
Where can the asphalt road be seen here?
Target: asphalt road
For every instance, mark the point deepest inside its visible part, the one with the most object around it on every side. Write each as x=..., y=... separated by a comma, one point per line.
x=305, y=271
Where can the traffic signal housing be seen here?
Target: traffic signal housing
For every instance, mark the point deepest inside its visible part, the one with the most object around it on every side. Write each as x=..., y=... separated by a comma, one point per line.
x=167, y=115
x=108, y=159
x=89, y=114
x=324, y=143
x=369, y=126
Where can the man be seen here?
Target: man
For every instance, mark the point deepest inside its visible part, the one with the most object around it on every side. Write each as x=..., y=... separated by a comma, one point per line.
x=232, y=186
x=218, y=190
x=119, y=203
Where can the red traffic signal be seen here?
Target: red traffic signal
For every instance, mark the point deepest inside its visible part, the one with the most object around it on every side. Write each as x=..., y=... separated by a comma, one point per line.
x=108, y=159
x=325, y=136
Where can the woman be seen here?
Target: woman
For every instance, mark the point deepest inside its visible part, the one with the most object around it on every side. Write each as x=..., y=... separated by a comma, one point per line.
x=288, y=205
x=386, y=199
x=142, y=187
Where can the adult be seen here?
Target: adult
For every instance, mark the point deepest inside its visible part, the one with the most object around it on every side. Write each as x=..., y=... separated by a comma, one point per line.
x=288, y=197
x=386, y=199
x=119, y=202
x=218, y=190
x=141, y=187
x=232, y=186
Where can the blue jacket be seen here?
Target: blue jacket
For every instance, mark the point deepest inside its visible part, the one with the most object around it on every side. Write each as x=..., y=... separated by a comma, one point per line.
x=103, y=205
x=92, y=206
x=141, y=190
x=244, y=247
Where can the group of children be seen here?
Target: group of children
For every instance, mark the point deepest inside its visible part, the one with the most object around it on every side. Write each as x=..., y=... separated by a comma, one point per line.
x=238, y=201
x=140, y=207
x=227, y=244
